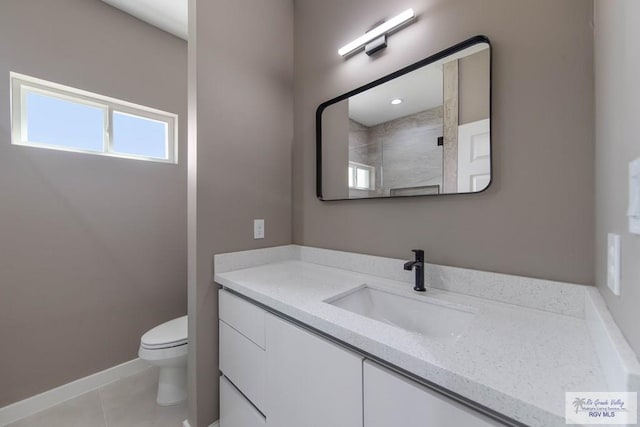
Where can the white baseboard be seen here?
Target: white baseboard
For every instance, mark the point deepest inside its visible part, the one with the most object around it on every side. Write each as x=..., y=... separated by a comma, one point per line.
x=42, y=401
x=185, y=423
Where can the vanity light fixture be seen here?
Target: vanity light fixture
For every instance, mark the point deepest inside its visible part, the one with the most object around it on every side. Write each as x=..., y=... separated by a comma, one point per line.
x=396, y=101
x=379, y=32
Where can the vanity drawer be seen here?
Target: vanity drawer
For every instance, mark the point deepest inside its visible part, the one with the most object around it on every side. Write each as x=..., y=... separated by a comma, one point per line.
x=243, y=316
x=235, y=409
x=244, y=363
x=389, y=397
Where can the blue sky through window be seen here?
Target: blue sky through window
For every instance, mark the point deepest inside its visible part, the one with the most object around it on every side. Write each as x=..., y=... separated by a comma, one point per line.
x=139, y=136
x=64, y=123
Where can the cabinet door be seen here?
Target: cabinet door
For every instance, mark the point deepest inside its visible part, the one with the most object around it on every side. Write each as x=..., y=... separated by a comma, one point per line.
x=243, y=363
x=242, y=316
x=391, y=400
x=311, y=382
x=235, y=409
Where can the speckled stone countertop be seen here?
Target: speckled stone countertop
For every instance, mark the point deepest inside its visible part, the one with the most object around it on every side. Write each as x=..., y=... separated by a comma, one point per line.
x=515, y=360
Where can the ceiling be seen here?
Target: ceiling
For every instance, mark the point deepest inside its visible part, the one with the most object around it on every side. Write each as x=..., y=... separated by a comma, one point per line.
x=419, y=90
x=168, y=15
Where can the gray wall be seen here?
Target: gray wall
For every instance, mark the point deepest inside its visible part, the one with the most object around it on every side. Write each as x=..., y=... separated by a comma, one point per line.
x=335, y=151
x=617, y=67
x=474, y=87
x=537, y=217
x=92, y=249
x=241, y=105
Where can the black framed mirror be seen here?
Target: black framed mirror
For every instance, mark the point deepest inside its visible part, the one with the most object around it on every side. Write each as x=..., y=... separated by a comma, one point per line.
x=423, y=130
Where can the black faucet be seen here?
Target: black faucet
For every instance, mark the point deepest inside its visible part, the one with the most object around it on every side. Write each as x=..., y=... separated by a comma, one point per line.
x=418, y=264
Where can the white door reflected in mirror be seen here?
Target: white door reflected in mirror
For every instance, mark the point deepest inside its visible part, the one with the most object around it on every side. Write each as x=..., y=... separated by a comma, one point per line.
x=474, y=156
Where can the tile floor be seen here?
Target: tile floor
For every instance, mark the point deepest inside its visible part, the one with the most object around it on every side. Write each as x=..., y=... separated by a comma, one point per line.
x=128, y=402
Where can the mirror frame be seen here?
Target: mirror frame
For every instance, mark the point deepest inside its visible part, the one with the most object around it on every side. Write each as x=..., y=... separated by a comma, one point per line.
x=424, y=62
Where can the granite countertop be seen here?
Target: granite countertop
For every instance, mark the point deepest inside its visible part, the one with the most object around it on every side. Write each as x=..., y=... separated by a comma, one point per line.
x=515, y=360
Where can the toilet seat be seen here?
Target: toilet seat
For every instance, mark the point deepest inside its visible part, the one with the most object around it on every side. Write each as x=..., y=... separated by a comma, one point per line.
x=163, y=354
x=167, y=335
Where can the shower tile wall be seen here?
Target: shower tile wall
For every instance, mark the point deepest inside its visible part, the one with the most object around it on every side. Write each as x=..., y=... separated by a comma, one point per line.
x=407, y=147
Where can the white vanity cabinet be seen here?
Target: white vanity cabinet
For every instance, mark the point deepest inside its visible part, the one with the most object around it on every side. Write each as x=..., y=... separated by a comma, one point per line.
x=243, y=384
x=393, y=400
x=311, y=381
x=277, y=374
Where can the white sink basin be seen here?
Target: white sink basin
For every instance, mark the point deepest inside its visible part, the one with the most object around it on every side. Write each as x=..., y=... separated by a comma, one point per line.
x=419, y=313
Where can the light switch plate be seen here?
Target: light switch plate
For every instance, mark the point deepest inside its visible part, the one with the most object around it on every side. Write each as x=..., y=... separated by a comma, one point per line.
x=258, y=229
x=634, y=197
x=613, y=263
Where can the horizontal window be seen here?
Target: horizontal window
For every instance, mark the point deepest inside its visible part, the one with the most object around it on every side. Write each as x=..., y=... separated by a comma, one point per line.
x=49, y=115
x=361, y=177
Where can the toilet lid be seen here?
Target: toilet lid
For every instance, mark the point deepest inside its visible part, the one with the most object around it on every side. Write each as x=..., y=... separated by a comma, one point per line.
x=169, y=334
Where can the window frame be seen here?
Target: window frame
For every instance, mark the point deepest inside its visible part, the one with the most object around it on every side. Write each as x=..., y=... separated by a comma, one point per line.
x=368, y=168
x=21, y=85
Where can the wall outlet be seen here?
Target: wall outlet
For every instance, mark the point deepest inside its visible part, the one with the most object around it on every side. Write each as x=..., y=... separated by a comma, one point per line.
x=258, y=229
x=613, y=263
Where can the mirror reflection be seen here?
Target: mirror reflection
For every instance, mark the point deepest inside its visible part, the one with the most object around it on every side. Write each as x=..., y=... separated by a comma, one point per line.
x=424, y=132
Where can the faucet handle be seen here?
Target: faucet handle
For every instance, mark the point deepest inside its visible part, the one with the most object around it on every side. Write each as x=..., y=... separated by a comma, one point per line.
x=419, y=254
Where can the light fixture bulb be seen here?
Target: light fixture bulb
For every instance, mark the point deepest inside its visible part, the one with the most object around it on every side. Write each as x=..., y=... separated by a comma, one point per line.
x=378, y=31
x=396, y=101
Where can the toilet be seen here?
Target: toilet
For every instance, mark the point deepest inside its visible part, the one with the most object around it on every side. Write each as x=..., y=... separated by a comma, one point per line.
x=165, y=346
